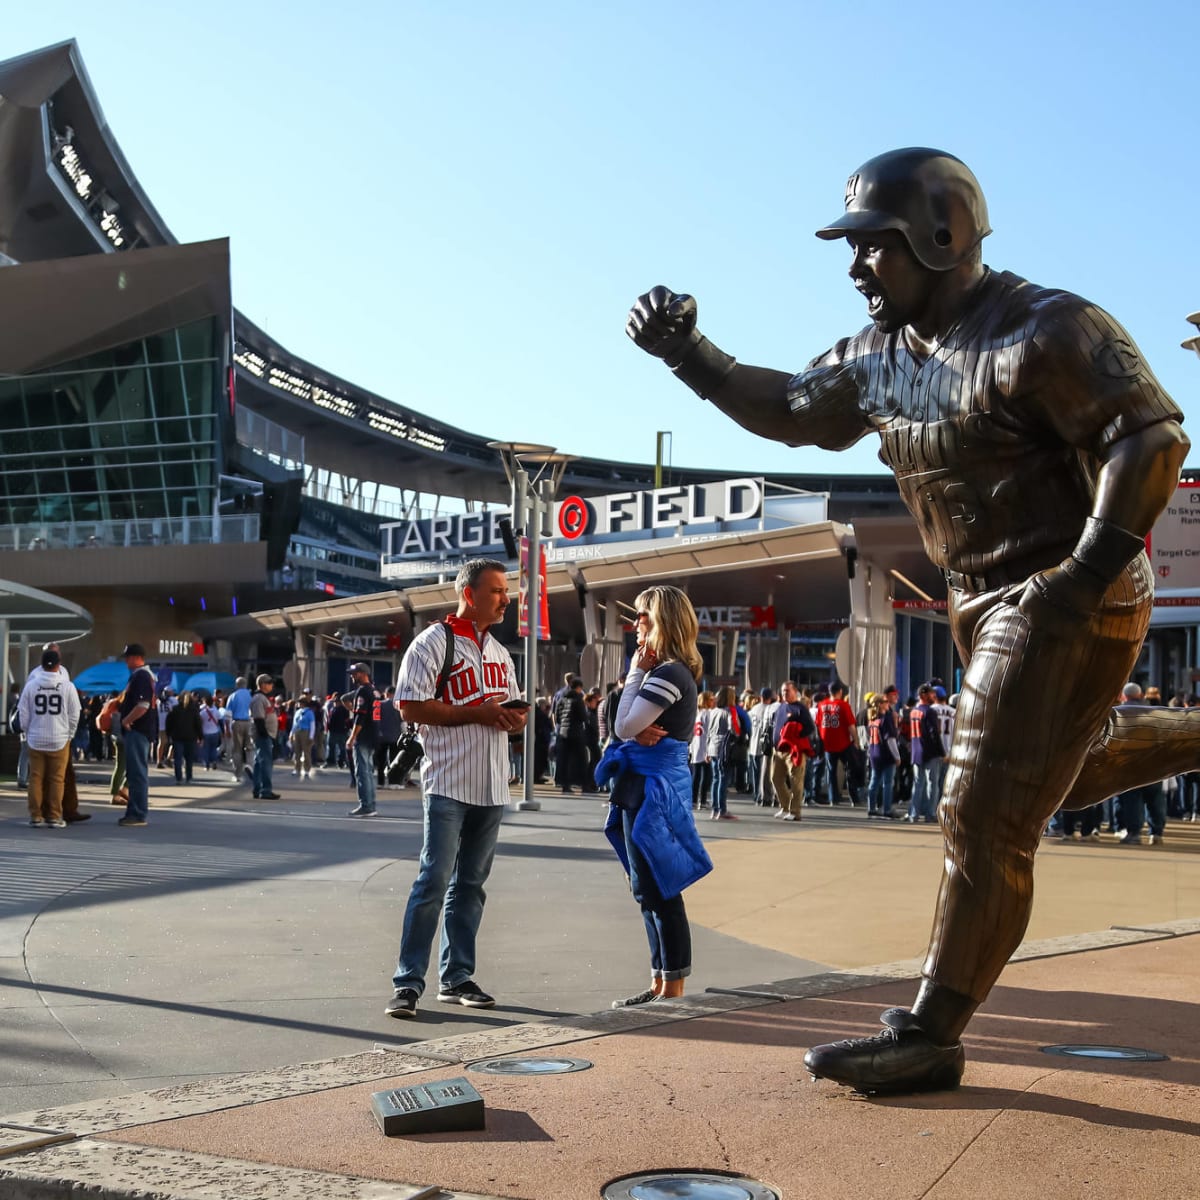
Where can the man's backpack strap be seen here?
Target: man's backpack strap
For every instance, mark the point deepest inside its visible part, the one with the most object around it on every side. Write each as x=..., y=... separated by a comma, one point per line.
x=447, y=662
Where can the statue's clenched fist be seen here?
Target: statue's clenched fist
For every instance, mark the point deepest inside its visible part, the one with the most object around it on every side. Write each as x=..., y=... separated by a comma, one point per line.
x=663, y=324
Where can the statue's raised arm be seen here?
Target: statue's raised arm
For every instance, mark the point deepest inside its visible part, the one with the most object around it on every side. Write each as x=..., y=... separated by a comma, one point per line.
x=663, y=323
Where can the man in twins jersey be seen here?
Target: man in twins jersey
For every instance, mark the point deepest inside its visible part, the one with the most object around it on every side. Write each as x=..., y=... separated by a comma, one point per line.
x=464, y=729
x=835, y=724
x=1034, y=449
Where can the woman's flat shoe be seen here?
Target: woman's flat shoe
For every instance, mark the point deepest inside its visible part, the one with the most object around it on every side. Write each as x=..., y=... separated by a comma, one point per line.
x=641, y=998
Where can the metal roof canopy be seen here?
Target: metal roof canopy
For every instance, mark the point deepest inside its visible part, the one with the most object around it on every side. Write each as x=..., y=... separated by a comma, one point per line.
x=27, y=612
x=742, y=568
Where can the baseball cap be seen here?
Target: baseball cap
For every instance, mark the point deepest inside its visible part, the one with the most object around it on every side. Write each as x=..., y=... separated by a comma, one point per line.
x=50, y=659
x=356, y=667
x=264, y=678
x=134, y=648
x=939, y=691
x=766, y=694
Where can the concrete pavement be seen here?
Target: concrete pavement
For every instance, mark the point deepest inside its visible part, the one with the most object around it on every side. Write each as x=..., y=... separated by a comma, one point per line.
x=233, y=936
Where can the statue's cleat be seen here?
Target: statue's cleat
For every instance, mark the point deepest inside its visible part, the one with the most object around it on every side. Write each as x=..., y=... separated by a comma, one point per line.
x=901, y=1059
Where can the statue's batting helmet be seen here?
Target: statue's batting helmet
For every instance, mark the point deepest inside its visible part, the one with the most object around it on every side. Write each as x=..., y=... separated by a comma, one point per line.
x=930, y=197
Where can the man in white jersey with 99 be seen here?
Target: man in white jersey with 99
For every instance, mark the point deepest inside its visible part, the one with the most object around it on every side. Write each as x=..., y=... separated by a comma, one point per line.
x=49, y=711
x=464, y=723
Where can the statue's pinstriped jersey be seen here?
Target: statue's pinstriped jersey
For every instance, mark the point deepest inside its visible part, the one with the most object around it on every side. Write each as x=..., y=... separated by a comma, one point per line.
x=994, y=438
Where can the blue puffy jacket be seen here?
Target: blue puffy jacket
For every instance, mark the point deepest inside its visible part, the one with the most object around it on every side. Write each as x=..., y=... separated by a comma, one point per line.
x=664, y=829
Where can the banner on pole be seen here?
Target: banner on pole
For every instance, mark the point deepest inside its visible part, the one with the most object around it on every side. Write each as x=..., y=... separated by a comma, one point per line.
x=523, y=594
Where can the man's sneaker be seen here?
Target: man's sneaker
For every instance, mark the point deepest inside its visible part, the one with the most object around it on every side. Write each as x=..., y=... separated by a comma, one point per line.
x=267, y=796
x=59, y=824
x=36, y=822
x=402, y=1004
x=360, y=811
x=900, y=1060
x=468, y=993
x=127, y=821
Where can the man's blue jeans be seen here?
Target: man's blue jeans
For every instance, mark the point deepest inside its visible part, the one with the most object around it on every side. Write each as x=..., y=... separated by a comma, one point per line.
x=720, y=784
x=264, y=759
x=456, y=859
x=927, y=789
x=364, y=775
x=337, y=750
x=879, y=791
x=137, y=774
x=832, y=758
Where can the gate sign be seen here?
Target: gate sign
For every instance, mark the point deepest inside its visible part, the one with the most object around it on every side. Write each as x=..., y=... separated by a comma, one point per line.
x=1174, y=541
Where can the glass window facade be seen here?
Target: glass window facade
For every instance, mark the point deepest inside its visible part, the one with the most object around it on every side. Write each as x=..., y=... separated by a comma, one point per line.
x=126, y=434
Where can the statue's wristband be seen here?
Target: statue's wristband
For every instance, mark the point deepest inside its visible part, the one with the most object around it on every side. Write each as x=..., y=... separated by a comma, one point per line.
x=701, y=365
x=1104, y=550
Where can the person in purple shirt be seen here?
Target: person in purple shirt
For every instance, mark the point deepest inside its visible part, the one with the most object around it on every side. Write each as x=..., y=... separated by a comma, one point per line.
x=928, y=757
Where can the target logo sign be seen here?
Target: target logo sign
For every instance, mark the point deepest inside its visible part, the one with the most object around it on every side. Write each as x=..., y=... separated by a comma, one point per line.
x=574, y=517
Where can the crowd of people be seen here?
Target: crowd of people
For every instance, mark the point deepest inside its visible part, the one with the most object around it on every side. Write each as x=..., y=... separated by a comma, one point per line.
x=786, y=748
x=246, y=732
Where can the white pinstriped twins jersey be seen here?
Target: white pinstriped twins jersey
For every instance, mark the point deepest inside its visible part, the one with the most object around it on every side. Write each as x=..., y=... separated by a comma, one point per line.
x=468, y=763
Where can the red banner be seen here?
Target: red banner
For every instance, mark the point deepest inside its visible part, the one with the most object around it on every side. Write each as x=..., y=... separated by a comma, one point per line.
x=523, y=595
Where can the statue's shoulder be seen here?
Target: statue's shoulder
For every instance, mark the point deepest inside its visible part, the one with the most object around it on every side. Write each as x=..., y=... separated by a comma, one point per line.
x=848, y=352
x=1049, y=312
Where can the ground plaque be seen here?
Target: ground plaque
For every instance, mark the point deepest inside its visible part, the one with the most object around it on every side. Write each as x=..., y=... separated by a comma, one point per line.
x=443, y=1106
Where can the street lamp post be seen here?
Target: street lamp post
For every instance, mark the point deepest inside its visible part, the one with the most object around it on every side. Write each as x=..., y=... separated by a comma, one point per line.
x=533, y=497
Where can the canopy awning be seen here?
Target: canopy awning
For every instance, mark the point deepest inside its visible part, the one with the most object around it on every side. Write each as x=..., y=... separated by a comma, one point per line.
x=109, y=676
x=27, y=612
x=208, y=682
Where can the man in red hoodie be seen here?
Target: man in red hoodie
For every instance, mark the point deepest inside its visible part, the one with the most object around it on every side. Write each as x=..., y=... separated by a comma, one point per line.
x=835, y=724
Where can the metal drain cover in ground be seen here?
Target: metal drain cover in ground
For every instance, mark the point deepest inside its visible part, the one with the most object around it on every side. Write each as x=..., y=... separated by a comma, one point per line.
x=687, y=1185
x=1123, y=1053
x=530, y=1066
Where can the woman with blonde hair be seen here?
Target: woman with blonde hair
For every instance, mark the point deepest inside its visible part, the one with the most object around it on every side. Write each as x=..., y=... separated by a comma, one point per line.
x=883, y=753
x=650, y=822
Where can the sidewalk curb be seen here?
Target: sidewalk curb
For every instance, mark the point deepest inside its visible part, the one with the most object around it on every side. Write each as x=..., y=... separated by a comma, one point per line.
x=84, y=1167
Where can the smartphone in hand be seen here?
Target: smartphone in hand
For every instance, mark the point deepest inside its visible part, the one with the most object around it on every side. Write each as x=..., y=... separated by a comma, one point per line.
x=517, y=703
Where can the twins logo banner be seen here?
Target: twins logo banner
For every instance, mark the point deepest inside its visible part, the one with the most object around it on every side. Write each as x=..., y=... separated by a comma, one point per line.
x=523, y=602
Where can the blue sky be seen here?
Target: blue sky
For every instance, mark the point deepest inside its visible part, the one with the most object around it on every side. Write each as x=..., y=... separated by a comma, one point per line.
x=455, y=204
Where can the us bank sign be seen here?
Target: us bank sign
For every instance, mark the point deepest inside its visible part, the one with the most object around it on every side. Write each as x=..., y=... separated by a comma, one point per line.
x=580, y=528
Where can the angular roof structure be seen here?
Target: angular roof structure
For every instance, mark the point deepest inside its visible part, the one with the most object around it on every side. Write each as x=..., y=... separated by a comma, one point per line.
x=66, y=189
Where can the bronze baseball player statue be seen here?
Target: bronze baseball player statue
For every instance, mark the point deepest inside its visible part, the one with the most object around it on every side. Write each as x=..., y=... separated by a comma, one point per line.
x=1035, y=449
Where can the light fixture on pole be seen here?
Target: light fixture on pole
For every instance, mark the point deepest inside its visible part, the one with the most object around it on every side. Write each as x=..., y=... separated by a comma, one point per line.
x=535, y=473
x=1193, y=343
